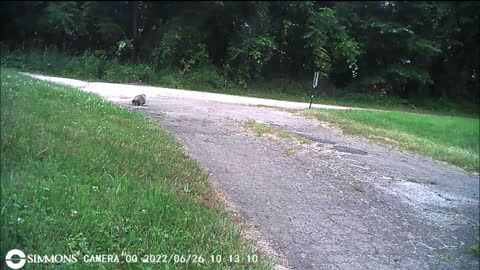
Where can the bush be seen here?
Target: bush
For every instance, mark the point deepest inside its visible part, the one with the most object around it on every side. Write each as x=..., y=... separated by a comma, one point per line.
x=14, y=59
x=119, y=73
x=169, y=79
x=72, y=67
x=181, y=46
x=93, y=65
x=207, y=77
x=143, y=73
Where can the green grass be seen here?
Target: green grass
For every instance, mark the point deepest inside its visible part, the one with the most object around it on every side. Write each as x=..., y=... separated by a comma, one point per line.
x=475, y=250
x=82, y=176
x=451, y=139
x=91, y=67
x=263, y=129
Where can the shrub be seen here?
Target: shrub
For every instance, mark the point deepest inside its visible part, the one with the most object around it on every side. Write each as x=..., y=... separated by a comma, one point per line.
x=119, y=73
x=207, y=77
x=14, y=59
x=143, y=73
x=169, y=79
x=92, y=64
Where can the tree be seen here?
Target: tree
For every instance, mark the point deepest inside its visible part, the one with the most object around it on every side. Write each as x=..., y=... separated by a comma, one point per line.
x=330, y=44
x=409, y=49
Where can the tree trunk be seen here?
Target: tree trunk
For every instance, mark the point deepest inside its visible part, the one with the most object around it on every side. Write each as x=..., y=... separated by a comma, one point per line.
x=134, y=19
x=134, y=29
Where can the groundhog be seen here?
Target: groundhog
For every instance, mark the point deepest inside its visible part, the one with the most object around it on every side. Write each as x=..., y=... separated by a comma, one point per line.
x=139, y=100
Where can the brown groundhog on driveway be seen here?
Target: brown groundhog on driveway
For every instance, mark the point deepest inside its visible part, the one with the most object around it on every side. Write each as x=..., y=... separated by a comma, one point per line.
x=139, y=100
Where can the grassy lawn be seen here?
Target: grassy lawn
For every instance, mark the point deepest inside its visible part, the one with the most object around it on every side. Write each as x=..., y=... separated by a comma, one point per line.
x=82, y=176
x=451, y=139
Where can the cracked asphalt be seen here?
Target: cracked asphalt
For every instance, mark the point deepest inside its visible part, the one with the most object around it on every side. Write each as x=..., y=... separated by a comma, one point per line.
x=341, y=202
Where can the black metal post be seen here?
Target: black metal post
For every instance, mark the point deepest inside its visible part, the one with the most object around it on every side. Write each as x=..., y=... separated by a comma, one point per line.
x=314, y=85
x=311, y=98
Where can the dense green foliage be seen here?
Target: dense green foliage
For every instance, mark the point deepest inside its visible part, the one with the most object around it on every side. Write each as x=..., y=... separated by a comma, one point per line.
x=81, y=176
x=407, y=50
x=86, y=66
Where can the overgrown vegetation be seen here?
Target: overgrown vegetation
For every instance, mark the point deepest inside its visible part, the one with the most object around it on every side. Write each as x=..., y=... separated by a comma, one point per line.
x=446, y=138
x=400, y=54
x=82, y=176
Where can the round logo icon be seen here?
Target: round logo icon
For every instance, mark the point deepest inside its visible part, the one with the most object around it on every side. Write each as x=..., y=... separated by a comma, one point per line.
x=20, y=259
